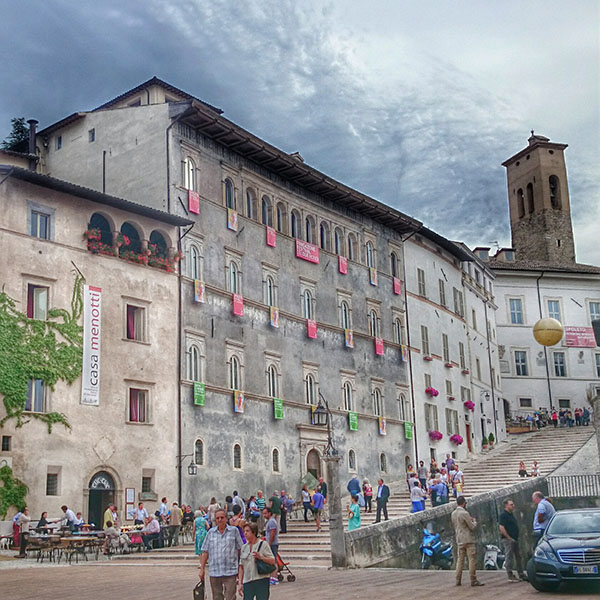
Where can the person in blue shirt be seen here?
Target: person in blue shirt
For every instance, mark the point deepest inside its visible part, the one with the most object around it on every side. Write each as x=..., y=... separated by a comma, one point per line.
x=318, y=501
x=543, y=513
x=439, y=493
x=354, y=486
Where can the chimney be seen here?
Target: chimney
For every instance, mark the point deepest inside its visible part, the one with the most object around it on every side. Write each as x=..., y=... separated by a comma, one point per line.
x=32, y=127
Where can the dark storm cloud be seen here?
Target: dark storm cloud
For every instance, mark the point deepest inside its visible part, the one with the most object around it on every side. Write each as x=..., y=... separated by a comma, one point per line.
x=424, y=138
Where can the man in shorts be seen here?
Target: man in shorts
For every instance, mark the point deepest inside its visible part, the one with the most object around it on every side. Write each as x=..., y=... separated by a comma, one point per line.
x=318, y=503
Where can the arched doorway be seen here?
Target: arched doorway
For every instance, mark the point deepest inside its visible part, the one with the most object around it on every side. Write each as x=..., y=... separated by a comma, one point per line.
x=313, y=463
x=102, y=493
x=407, y=462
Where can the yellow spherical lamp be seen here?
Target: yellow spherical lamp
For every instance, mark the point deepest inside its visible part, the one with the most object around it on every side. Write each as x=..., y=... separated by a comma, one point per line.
x=548, y=332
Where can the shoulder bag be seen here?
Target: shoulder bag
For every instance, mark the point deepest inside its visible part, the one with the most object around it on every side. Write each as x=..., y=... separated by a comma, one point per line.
x=262, y=567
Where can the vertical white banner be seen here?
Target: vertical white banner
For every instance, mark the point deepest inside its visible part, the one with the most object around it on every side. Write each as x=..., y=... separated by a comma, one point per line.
x=92, y=325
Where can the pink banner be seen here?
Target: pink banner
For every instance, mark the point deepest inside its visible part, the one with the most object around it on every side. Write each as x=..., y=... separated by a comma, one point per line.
x=238, y=305
x=343, y=265
x=397, y=286
x=311, y=328
x=379, y=346
x=194, y=202
x=580, y=337
x=307, y=251
x=271, y=237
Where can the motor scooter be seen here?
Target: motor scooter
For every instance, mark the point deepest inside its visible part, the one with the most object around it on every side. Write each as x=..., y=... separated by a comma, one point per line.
x=493, y=559
x=434, y=551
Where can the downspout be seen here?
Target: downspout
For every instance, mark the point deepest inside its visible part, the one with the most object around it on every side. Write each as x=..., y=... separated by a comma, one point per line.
x=537, y=285
x=487, y=329
x=31, y=147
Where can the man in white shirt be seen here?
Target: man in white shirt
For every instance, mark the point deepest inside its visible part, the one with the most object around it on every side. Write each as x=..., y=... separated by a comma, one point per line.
x=69, y=519
x=150, y=532
x=163, y=510
x=141, y=514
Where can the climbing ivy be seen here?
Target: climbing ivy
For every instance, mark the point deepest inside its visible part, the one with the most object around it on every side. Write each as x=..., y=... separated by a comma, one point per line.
x=12, y=491
x=33, y=349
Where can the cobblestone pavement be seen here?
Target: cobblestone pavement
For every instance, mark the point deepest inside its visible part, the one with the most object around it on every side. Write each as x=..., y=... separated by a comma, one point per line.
x=105, y=580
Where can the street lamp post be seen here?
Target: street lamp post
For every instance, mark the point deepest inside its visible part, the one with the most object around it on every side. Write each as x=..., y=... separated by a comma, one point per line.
x=322, y=418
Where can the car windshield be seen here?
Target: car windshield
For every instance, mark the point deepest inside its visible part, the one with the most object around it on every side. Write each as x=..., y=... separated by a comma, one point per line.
x=575, y=523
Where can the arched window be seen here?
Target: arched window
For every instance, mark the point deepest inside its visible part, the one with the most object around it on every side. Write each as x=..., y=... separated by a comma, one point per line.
x=131, y=234
x=199, y=452
x=237, y=457
x=310, y=230
x=402, y=414
x=394, y=264
x=250, y=204
x=295, y=224
x=233, y=279
x=339, y=241
x=189, y=174
x=324, y=235
x=530, y=204
x=275, y=460
x=351, y=460
x=370, y=254
x=383, y=462
x=194, y=364
x=397, y=330
x=281, y=212
x=269, y=291
x=520, y=203
x=345, y=315
x=272, y=382
x=377, y=403
x=267, y=211
x=194, y=263
x=229, y=194
x=351, y=247
x=555, y=200
x=347, y=394
x=307, y=303
x=311, y=390
x=373, y=324
x=158, y=244
x=235, y=378
x=98, y=221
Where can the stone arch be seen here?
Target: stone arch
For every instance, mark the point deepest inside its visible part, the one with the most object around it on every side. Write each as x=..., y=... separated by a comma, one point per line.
x=313, y=462
x=117, y=497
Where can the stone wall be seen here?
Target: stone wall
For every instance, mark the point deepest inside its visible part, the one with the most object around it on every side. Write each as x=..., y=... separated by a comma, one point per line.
x=396, y=543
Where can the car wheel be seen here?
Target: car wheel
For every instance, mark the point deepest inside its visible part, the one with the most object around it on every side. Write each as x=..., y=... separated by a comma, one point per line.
x=540, y=586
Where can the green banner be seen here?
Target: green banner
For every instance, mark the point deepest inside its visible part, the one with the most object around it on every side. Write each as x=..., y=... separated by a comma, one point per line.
x=408, y=430
x=199, y=393
x=278, y=408
x=353, y=420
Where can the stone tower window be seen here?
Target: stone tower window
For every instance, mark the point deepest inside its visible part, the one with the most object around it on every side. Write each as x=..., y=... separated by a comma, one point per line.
x=521, y=203
x=555, y=200
x=530, y=205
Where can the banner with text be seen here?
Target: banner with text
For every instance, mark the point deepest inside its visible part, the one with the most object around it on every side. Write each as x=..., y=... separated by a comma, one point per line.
x=92, y=327
x=343, y=265
x=353, y=420
x=397, y=286
x=194, y=202
x=408, y=430
x=199, y=393
x=307, y=251
x=271, y=237
x=278, y=408
x=580, y=337
x=238, y=305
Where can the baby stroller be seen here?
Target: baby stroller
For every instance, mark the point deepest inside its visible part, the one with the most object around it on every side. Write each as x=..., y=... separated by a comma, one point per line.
x=282, y=567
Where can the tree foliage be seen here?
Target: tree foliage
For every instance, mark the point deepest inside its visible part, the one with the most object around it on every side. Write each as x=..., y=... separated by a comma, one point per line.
x=49, y=350
x=12, y=491
x=18, y=139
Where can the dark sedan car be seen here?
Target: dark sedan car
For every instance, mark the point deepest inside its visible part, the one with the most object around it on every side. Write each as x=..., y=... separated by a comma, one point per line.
x=569, y=550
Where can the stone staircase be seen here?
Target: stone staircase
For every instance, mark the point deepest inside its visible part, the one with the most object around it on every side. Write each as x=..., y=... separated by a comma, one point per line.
x=304, y=547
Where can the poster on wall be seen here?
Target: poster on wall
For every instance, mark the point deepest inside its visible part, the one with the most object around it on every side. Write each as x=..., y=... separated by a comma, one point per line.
x=199, y=393
x=239, y=402
x=130, y=511
x=238, y=305
x=307, y=251
x=382, y=426
x=408, y=430
x=343, y=265
x=373, y=276
x=278, y=408
x=274, y=315
x=580, y=337
x=353, y=420
x=397, y=286
x=194, y=202
x=271, y=237
x=232, y=219
x=199, y=291
x=379, y=346
x=130, y=495
x=404, y=353
x=92, y=328
x=311, y=328
x=348, y=338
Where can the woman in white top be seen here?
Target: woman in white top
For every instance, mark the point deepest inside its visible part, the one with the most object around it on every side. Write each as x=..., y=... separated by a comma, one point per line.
x=24, y=521
x=251, y=584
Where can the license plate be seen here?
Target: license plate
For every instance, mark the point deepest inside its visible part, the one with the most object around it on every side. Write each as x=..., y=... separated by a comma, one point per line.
x=591, y=570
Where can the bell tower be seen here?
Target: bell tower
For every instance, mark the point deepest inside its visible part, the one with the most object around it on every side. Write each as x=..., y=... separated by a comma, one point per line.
x=538, y=198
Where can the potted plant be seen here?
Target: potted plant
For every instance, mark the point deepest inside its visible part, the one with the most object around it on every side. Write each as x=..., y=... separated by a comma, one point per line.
x=451, y=398
x=428, y=358
x=456, y=439
x=435, y=435
x=484, y=443
x=469, y=405
x=432, y=392
x=448, y=365
x=465, y=371
x=491, y=439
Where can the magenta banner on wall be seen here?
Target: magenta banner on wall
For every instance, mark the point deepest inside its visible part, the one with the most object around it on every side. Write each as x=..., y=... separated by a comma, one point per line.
x=307, y=251
x=238, y=305
x=580, y=337
x=194, y=202
x=343, y=265
x=311, y=328
x=379, y=346
x=271, y=237
x=397, y=286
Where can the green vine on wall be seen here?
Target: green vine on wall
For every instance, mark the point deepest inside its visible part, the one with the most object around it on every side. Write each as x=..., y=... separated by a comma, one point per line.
x=12, y=491
x=49, y=350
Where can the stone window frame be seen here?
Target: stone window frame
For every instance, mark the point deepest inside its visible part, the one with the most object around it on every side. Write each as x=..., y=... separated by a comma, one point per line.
x=234, y=349
x=148, y=388
x=378, y=393
x=398, y=322
x=324, y=235
x=445, y=348
x=383, y=463
x=276, y=450
x=235, y=445
x=233, y=257
x=140, y=304
x=442, y=293
x=189, y=173
x=43, y=209
x=194, y=452
x=197, y=341
x=522, y=312
x=452, y=421
x=197, y=244
x=461, y=355
x=344, y=296
x=395, y=266
x=525, y=351
x=347, y=378
x=273, y=360
x=266, y=210
x=431, y=416
x=251, y=198
x=374, y=307
x=310, y=286
x=589, y=303
x=547, y=300
x=403, y=403
x=352, y=453
x=421, y=283
x=310, y=369
x=564, y=365
x=272, y=272
x=425, y=345
x=370, y=249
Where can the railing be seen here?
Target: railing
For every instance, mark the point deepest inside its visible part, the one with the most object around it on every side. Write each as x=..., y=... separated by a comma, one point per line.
x=570, y=486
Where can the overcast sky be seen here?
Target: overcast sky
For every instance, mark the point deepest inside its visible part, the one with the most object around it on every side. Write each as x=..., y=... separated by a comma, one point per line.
x=415, y=103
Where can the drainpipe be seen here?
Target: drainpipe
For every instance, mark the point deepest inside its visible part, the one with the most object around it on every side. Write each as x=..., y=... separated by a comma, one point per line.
x=537, y=285
x=32, y=127
x=487, y=329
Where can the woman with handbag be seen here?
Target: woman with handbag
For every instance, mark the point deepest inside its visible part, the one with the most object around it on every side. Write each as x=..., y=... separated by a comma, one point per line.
x=257, y=563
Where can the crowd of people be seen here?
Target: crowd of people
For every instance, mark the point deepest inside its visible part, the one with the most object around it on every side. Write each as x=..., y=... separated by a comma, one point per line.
x=563, y=417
